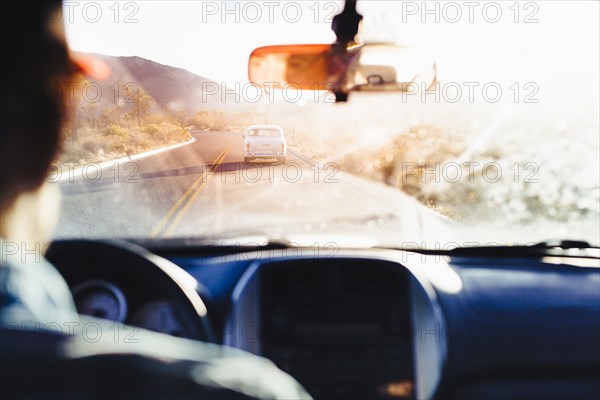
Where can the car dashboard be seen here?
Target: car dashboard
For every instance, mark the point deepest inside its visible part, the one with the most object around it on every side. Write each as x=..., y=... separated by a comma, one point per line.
x=366, y=323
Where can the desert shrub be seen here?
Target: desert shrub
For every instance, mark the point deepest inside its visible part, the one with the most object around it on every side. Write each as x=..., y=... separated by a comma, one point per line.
x=91, y=145
x=173, y=133
x=151, y=129
x=118, y=148
x=115, y=130
x=211, y=120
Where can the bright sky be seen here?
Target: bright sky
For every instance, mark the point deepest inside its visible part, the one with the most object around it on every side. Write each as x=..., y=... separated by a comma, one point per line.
x=559, y=43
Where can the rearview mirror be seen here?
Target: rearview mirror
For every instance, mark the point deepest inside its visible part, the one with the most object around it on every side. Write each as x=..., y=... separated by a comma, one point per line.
x=368, y=67
x=299, y=66
x=384, y=67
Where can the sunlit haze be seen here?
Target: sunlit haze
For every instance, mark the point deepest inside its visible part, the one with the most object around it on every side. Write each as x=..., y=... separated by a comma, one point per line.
x=193, y=36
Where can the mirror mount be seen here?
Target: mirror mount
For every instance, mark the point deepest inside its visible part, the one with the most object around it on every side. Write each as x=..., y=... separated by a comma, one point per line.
x=345, y=26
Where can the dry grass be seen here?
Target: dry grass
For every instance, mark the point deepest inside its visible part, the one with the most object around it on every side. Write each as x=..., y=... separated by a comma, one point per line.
x=115, y=141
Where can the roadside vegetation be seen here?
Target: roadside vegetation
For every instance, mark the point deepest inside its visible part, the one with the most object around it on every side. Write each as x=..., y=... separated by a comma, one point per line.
x=100, y=131
x=507, y=180
x=96, y=132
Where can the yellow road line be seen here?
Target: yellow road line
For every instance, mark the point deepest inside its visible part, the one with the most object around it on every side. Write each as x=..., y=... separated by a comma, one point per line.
x=159, y=227
x=192, y=199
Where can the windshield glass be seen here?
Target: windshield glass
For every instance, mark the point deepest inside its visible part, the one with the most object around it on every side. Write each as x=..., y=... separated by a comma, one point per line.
x=504, y=148
x=264, y=132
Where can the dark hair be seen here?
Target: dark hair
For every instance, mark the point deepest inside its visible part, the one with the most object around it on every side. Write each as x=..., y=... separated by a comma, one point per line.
x=34, y=68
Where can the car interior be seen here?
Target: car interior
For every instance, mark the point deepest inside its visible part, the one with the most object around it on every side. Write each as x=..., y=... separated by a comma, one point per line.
x=347, y=319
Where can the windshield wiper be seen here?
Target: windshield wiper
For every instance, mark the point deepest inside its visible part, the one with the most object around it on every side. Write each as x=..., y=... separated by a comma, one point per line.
x=211, y=246
x=564, y=244
x=560, y=248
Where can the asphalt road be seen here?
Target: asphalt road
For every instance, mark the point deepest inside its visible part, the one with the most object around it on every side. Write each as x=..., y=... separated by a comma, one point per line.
x=205, y=189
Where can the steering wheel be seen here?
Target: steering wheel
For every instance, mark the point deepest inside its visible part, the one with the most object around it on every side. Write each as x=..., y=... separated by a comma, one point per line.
x=135, y=268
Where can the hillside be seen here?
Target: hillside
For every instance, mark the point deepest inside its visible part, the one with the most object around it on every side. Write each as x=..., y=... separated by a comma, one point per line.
x=173, y=89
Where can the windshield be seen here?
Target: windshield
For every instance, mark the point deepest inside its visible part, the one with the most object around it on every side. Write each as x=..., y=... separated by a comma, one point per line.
x=504, y=148
x=264, y=132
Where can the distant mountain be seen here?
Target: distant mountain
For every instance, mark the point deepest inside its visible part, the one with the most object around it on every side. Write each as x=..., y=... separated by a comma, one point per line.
x=172, y=88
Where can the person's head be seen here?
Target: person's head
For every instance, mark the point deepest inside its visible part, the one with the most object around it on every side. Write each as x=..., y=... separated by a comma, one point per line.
x=36, y=65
